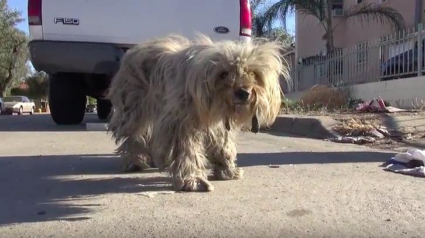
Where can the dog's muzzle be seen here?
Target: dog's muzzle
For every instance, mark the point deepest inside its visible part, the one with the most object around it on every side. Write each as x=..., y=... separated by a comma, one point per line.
x=242, y=96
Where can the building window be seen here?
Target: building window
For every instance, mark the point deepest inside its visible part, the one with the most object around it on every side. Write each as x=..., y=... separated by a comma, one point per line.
x=361, y=56
x=338, y=8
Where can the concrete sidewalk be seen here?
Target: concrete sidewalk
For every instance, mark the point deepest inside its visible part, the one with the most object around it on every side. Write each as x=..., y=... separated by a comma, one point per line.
x=64, y=183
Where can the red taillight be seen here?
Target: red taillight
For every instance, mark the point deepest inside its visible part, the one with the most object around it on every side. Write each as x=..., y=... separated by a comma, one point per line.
x=245, y=18
x=34, y=12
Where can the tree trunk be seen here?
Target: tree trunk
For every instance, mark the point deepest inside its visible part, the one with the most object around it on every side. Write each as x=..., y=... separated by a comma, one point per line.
x=329, y=32
x=329, y=41
x=2, y=92
x=8, y=79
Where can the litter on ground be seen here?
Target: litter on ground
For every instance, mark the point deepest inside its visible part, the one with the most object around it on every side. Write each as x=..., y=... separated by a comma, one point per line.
x=354, y=140
x=377, y=105
x=408, y=163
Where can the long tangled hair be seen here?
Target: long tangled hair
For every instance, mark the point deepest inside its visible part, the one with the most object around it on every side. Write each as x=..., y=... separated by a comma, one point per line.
x=178, y=104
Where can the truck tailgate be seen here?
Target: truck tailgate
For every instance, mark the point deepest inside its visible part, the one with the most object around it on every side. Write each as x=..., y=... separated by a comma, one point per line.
x=132, y=21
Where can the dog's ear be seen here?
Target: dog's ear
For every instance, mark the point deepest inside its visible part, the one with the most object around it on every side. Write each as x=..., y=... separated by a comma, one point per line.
x=227, y=124
x=268, y=64
x=255, y=124
x=198, y=80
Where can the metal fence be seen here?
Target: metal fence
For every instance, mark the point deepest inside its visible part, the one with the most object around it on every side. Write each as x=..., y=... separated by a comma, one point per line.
x=389, y=57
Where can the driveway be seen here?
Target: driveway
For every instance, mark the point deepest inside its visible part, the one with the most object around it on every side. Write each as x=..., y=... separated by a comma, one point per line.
x=66, y=182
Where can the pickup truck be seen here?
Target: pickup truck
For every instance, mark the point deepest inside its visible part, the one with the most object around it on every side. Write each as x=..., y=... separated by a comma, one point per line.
x=80, y=43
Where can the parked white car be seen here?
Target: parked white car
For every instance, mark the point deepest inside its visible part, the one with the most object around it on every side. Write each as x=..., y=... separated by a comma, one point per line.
x=80, y=43
x=18, y=104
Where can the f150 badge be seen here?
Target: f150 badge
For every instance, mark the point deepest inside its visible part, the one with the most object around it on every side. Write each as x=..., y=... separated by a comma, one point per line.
x=67, y=21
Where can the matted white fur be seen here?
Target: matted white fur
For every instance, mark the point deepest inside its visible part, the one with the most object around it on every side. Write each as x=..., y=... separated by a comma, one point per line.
x=179, y=104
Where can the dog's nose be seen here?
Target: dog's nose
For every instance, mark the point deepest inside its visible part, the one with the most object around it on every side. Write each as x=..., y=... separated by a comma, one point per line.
x=242, y=94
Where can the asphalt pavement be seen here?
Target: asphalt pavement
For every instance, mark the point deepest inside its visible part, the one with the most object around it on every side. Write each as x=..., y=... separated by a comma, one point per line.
x=66, y=182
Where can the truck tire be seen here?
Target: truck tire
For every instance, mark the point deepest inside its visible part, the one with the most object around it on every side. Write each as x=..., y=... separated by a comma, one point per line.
x=67, y=99
x=104, y=107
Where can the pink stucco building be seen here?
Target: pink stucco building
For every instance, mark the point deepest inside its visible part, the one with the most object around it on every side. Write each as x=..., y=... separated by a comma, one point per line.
x=309, y=30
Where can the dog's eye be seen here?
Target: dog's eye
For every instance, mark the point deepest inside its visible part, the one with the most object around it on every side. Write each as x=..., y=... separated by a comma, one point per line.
x=253, y=74
x=256, y=78
x=223, y=75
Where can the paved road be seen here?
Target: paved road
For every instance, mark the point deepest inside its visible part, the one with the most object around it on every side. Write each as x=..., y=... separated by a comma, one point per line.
x=65, y=182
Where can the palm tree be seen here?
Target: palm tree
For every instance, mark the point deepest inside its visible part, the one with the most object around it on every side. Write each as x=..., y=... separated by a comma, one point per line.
x=263, y=29
x=322, y=10
x=259, y=29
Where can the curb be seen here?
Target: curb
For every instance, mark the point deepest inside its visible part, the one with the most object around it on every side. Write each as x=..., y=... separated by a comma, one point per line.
x=307, y=126
x=311, y=127
x=96, y=126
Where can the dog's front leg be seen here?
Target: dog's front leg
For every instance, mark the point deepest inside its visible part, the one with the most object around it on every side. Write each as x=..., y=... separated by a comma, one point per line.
x=189, y=165
x=134, y=154
x=222, y=155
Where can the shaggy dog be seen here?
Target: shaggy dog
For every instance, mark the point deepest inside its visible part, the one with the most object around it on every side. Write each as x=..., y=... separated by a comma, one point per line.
x=178, y=105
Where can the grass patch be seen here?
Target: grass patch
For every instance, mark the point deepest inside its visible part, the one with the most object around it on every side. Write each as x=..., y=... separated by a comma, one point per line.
x=321, y=100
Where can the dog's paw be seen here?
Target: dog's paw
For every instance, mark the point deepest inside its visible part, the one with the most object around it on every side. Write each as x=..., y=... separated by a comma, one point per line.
x=228, y=174
x=131, y=168
x=193, y=184
x=135, y=167
x=136, y=163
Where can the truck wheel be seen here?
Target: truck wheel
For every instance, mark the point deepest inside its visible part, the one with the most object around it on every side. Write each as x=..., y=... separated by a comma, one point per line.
x=103, y=108
x=67, y=99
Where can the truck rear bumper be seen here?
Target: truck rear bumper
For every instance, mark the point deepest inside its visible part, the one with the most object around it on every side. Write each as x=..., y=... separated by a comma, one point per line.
x=75, y=57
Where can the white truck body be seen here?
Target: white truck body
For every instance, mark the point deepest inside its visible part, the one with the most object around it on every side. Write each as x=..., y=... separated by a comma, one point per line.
x=80, y=43
x=133, y=21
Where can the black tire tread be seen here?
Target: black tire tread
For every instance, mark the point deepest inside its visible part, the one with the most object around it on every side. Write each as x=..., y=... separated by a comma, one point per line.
x=67, y=99
x=104, y=107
